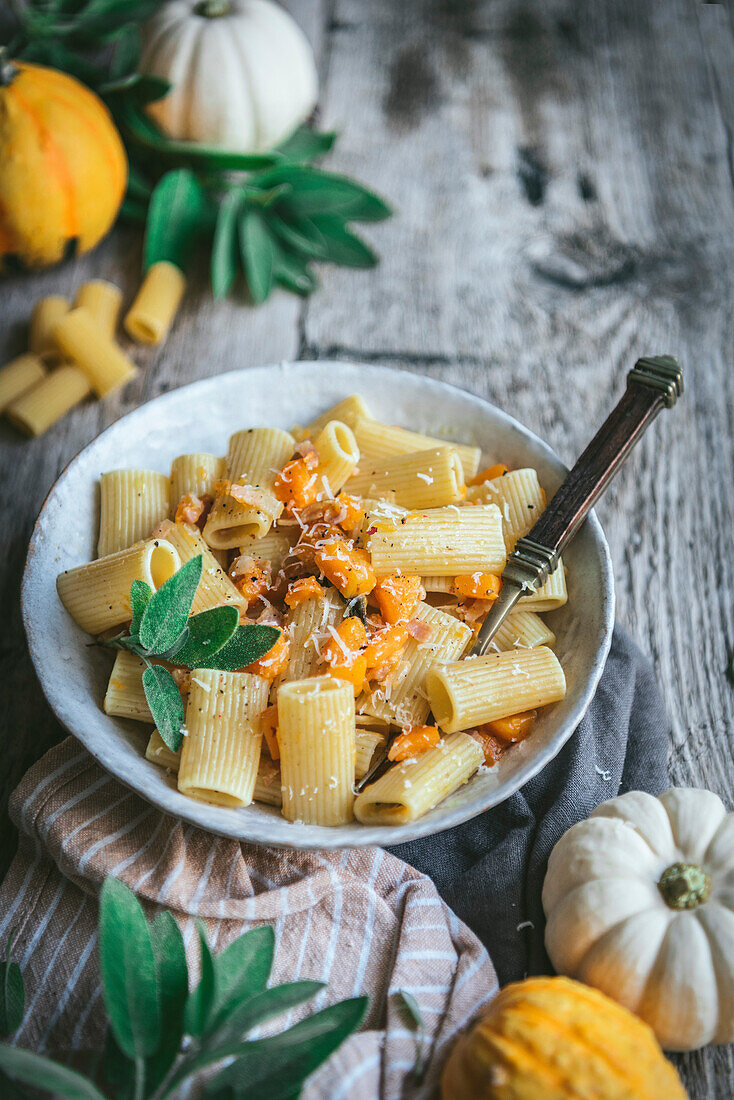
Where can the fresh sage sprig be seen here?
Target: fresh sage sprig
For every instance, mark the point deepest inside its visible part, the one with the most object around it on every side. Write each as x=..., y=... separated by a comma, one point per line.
x=266, y=218
x=161, y=1035
x=414, y=1018
x=163, y=629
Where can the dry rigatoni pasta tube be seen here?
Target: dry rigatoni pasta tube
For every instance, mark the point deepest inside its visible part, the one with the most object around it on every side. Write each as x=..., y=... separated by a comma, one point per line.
x=267, y=783
x=272, y=547
x=338, y=456
x=221, y=747
x=308, y=625
x=125, y=697
x=469, y=693
x=412, y=788
x=215, y=587
x=349, y=410
x=519, y=497
x=158, y=752
x=378, y=441
x=102, y=300
x=196, y=474
x=104, y=363
x=402, y=698
x=522, y=630
x=44, y=316
x=421, y=479
x=36, y=410
x=18, y=376
x=316, y=735
x=131, y=504
x=367, y=742
x=97, y=595
x=156, y=303
x=254, y=458
x=439, y=542
x=550, y=595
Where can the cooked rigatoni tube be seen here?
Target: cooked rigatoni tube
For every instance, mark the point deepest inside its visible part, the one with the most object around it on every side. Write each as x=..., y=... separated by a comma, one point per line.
x=221, y=748
x=102, y=300
x=412, y=788
x=272, y=547
x=438, y=584
x=215, y=587
x=348, y=411
x=44, y=316
x=421, y=479
x=125, y=697
x=20, y=375
x=131, y=504
x=519, y=497
x=158, y=752
x=316, y=735
x=156, y=303
x=550, y=595
x=196, y=474
x=338, y=456
x=367, y=741
x=36, y=410
x=402, y=698
x=439, y=542
x=378, y=441
x=307, y=625
x=522, y=630
x=469, y=693
x=105, y=364
x=97, y=595
x=248, y=506
x=267, y=784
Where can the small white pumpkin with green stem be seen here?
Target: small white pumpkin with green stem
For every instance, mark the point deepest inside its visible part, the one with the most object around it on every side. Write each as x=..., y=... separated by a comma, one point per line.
x=639, y=902
x=242, y=72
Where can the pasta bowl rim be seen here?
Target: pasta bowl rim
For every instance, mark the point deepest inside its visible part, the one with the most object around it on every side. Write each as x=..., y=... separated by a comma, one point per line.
x=116, y=754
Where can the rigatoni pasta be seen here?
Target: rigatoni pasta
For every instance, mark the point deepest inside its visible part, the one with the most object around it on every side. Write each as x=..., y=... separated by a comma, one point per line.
x=20, y=375
x=156, y=303
x=106, y=366
x=375, y=598
x=316, y=733
x=102, y=300
x=35, y=410
x=131, y=504
x=44, y=315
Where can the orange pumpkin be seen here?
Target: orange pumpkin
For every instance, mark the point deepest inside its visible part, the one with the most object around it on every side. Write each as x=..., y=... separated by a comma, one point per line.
x=556, y=1039
x=63, y=169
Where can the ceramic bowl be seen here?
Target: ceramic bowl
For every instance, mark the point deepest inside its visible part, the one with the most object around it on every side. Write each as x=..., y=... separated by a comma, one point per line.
x=200, y=417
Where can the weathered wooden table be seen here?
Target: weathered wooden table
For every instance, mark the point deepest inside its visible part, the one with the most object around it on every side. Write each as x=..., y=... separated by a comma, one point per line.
x=563, y=179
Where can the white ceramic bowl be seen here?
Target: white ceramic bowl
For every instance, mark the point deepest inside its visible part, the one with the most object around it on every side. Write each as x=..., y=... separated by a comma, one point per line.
x=200, y=417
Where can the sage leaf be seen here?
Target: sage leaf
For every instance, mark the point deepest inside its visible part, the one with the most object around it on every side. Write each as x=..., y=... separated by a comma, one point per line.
x=119, y=1070
x=275, y=1067
x=127, y=964
x=242, y=970
x=126, y=52
x=167, y=612
x=42, y=1073
x=138, y=185
x=412, y=1012
x=315, y=191
x=201, y=999
x=144, y=131
x=305, y=144
x=293, y=273
x=139, y=88
x=140, y=594
x=166, y=705
x=299, y=235
x=100, y=18
x=258, y=254
x=176, y=218
x=341, y=245
x=255, y=1010
x=247, y=644
x=208, y=632
x=12, y=1003
x=225, y=249
x=173, y=989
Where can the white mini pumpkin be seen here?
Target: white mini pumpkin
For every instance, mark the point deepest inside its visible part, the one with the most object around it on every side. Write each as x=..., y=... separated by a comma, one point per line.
x=639, y=901
x=242, y=72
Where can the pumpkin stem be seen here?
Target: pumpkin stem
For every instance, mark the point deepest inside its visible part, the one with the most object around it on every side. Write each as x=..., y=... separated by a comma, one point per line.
x=684, y=886
x=8, y=71
x=212, y=9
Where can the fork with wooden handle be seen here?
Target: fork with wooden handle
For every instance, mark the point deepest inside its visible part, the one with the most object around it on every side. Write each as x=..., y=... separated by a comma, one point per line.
x=654, y=383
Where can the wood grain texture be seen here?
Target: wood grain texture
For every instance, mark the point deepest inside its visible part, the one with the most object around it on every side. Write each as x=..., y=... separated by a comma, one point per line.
x=563, y=178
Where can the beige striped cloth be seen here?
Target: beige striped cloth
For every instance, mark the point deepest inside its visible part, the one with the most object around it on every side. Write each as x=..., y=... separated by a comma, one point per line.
x=360, y=920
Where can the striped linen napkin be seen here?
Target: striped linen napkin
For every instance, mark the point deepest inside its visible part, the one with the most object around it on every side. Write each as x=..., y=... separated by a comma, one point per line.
x=361, y=920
